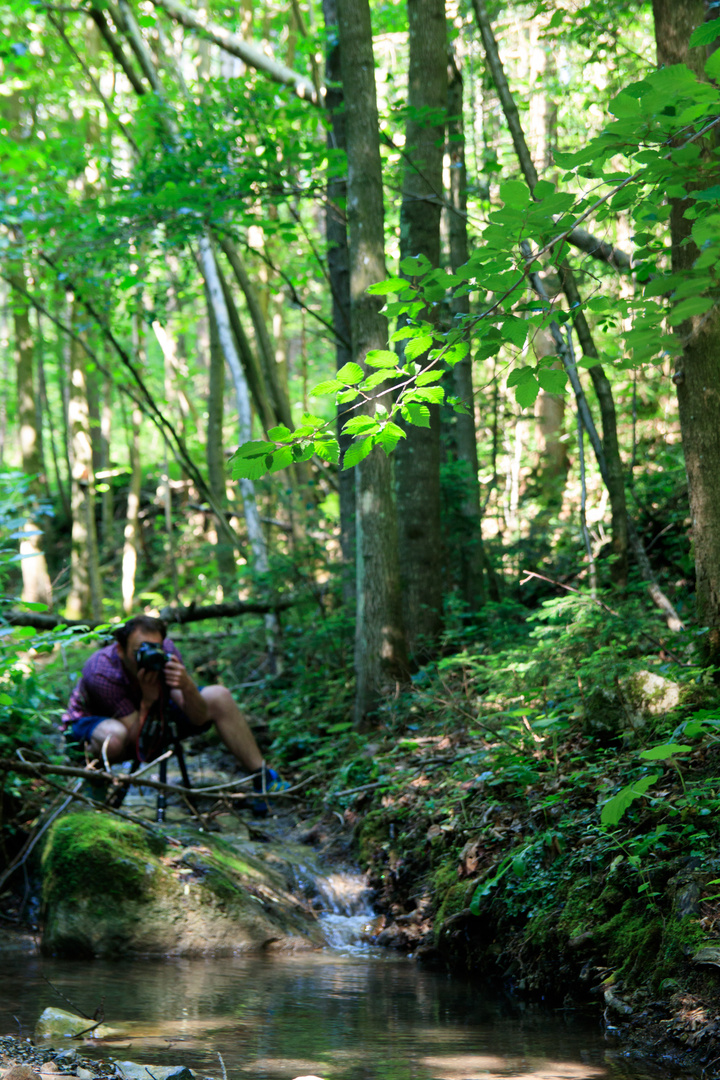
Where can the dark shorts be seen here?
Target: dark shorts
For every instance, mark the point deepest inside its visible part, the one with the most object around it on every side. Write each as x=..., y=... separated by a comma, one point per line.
x=83, y=728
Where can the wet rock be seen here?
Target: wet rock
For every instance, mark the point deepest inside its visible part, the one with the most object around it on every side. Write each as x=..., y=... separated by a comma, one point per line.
x=84, y=1074
x=60, y=1024
x=66, y=1057
x=131, y=1070
x=113, y=889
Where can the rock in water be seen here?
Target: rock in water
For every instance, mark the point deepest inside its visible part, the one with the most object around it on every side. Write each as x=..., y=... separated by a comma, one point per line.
x=113, y=889
x=59, y=1024
x=130, y=1070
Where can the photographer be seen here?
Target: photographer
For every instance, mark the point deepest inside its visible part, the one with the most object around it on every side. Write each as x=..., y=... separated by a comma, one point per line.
x=125, y=685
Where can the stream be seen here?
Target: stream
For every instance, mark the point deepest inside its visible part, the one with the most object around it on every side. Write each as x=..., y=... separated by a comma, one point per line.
x=346, y=1012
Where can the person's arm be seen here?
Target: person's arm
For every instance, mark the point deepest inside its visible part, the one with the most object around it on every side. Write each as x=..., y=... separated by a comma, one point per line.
x=184, y=691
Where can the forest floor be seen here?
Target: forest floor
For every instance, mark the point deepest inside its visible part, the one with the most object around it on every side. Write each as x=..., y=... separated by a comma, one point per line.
x=539, y=808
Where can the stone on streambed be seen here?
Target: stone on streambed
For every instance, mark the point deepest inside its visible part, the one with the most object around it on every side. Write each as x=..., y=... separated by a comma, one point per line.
x=111, y=888
x=130, y=1070
x=59, y=1024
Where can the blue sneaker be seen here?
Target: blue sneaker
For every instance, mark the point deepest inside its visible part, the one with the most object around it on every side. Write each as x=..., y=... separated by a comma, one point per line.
x=268, y=782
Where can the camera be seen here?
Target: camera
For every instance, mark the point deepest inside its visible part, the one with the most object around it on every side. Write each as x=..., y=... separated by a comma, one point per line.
x=151, y=657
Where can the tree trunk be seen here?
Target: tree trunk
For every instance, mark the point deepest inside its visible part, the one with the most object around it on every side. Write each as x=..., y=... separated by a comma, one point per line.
x=471, y=554
x=132, y=521
x=36, y=580
x=216, y=455
x=339, y=272
x=697, y=375
x=417, y=468
x=380, y=648
x=242, y=397
x=85, y=596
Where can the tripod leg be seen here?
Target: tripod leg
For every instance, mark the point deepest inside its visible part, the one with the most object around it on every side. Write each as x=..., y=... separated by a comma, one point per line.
x=162, y=795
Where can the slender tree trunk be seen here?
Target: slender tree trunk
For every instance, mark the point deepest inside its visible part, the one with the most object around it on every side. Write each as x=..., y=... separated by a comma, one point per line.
x=253, y=524
x=216, y=454
x=85, y=596
x=107, y=511
x=417, y=467
x=131, y=541
x=471, y=554
x=339, y=271
x=380, y=648
x=697, y=375
x=36, y=580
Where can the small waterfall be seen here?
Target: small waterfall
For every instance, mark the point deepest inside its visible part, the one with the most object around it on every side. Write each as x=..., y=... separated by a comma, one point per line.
x=342, y=901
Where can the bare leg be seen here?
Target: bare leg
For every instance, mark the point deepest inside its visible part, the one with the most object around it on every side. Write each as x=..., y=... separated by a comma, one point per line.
x=232, y=727
x=119, y=736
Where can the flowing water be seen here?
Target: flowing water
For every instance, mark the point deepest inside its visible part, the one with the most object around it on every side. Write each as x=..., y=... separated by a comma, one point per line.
x=348, y=1012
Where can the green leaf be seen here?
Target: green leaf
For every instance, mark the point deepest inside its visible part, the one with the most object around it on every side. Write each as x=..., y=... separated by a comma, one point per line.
x=614, y=808
x=520, y=375
x=552, y=380
x=375, y=379
x=345, y=396
x=391, y=285
x=712, y=66
x=515, y=330
x=328, y=450
x=705, y=33
x=356, y=424
x=381, y=358
x=357, y=451
x=415, y=265
x=251, y=468
x=389, y=428
x=279, y=434
x=694, y=305
x=324, y=389
x=433, y=394
x=418, y=415
x=515, y=193
x=431, y=376
x=351, y=373
x=526, y=393
x=662, y=753
x=417, y=346
x=253, y=449
x=281, y=458
x=33, y=605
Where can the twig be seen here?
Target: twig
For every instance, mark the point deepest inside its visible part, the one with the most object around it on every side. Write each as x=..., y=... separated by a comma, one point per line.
x=67, y=999
x=30, y=843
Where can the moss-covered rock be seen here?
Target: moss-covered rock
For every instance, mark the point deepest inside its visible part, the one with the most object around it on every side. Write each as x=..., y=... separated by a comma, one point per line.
x=111, y=888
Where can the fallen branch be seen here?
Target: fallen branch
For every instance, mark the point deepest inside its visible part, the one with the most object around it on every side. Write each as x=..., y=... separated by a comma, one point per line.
x=177, y=615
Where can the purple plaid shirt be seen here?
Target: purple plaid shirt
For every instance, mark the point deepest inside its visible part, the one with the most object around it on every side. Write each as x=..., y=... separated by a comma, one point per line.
x=105, y=687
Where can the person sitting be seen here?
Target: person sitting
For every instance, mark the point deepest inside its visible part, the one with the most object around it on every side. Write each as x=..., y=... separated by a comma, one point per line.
x=116, y=696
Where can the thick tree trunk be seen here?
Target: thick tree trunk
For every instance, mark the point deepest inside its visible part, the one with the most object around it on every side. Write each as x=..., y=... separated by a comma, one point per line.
x=417, y=469
x=339, y=272
x=36, y=580
x=85, y=596
x=697, y=375
x=471, y=552
x=380, y=648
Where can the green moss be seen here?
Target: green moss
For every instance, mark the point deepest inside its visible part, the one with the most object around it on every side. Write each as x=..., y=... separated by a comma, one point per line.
x=93, y=854
x=373, y=833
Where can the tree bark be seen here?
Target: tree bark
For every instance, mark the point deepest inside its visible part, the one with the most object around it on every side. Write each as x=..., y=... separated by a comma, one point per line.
x=697, y=375
x=380, y=648
x=215, y=452
x=35, y=577
x=339, y=272
x=471, y=554
x=417, y=467
x=85, y=596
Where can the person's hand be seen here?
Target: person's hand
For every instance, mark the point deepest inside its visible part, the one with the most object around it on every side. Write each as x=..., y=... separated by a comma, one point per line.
x=176, y=675
x=150, y=685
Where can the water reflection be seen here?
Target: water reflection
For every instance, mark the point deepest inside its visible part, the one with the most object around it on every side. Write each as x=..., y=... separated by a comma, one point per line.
x=341, y=1018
